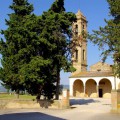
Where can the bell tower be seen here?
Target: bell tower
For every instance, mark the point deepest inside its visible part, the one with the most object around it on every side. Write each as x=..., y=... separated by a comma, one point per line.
x=79, y=47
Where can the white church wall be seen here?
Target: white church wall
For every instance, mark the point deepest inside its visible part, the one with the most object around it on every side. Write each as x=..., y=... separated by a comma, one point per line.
x=96, y=79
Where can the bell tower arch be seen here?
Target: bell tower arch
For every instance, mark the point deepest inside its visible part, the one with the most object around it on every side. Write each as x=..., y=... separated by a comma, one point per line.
x=79, y=49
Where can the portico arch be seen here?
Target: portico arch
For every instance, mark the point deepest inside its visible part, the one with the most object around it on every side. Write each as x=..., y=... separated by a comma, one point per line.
x=91, y=90
x=105, y=88
x=78, y=88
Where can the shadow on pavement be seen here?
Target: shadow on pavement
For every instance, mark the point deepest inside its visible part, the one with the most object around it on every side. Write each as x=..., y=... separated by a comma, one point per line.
x=28, y=116
x=82, y=101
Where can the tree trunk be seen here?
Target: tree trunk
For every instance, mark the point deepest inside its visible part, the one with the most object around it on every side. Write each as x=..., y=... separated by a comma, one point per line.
x=17, y=94
x=39, y=93
x=57, y=85
x=38, y=96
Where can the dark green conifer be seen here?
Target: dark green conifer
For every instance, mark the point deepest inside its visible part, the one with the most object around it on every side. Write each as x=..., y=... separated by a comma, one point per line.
x=15, y=47
x=57, y=32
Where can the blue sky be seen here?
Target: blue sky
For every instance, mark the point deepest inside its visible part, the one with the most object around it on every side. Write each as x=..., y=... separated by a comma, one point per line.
x=94, y=10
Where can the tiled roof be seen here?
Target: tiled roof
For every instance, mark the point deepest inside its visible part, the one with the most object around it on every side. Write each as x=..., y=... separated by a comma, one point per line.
x=93, y=74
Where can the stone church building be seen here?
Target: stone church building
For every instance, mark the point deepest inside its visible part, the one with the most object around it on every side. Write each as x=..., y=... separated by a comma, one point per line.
x=99, y=80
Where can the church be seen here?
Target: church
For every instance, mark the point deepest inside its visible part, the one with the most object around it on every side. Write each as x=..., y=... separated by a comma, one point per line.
x=99, y=80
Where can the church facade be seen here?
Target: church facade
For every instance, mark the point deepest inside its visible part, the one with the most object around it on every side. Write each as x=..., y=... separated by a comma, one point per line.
x=99, y=80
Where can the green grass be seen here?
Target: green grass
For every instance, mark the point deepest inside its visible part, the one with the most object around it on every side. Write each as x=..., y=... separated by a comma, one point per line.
x=13, y=96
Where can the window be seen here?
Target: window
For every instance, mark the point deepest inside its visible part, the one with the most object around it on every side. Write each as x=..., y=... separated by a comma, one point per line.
x=83, y=27
x=98, y=70
x=83, y=54
x=76, y=55
x=76, y=29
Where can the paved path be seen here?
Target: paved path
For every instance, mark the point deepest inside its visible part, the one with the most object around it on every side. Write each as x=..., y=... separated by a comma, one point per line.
x=81, y=109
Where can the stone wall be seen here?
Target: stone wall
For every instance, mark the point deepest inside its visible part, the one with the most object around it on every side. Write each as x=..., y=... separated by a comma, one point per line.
x=101, y=67
x=4, y=104
x=57, y=104
x=62, y=103
x=115, y=100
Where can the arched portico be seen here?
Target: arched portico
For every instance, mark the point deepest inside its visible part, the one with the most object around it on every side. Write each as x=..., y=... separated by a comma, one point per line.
x=78, y=88
x=91, y=88
x=105, y=88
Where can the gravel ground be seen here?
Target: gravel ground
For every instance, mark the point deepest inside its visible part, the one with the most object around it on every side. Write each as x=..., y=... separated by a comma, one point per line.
x=81, y=109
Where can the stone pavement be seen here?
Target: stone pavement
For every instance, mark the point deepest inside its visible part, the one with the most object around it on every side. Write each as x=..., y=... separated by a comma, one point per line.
x=81, y=109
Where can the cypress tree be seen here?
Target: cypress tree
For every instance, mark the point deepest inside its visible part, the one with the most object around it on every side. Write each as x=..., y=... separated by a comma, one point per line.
x=35, y=48
x=15, y=47
x=57, y=32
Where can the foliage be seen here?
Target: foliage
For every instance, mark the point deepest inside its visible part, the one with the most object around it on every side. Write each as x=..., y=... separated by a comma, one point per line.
x=35, y=48
x=57, y=31
x=13, y=48
x=108, y=37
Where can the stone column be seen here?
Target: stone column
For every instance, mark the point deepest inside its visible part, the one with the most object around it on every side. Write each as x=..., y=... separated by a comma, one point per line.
x=97, y=89
x=84, y=91
x=65, y=99
x=71, y=90
x=115, y=100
